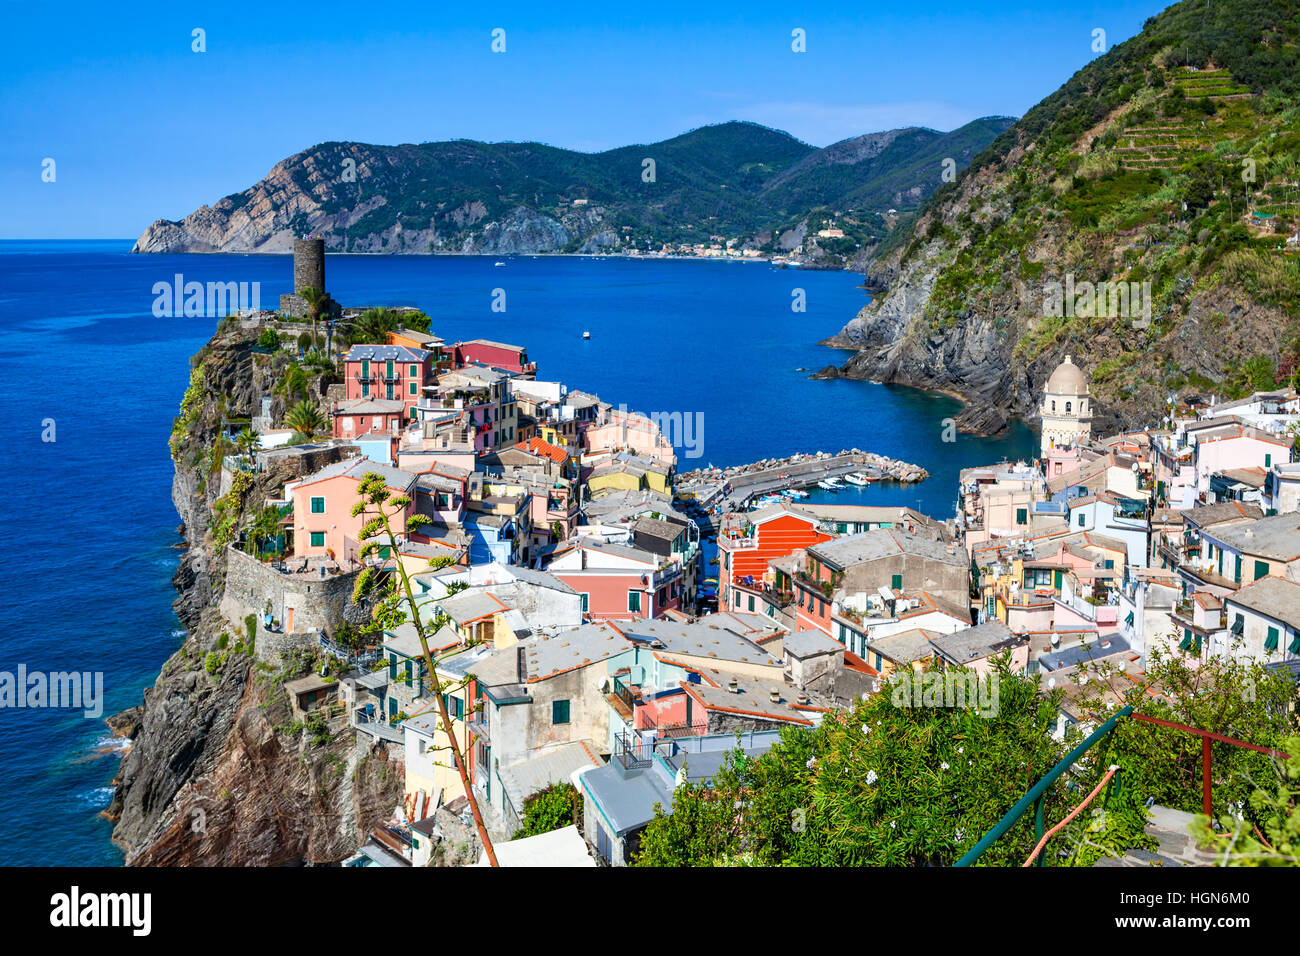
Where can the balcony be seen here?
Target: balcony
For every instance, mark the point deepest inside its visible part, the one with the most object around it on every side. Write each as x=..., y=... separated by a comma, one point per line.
x=1098, y=613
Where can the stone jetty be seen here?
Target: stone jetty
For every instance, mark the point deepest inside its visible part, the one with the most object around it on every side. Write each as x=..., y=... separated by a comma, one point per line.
x=730, y=487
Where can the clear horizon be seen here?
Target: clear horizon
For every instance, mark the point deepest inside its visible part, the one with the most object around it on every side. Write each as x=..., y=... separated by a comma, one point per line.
x=141, y=127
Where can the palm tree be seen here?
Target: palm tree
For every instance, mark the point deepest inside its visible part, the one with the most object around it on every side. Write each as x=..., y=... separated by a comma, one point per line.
x=248, y=441
x=318, y=301
x=305, y=418
x=372, y=326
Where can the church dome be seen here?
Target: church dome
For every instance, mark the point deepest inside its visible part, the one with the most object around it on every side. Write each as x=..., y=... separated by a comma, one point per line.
x=1068, y=379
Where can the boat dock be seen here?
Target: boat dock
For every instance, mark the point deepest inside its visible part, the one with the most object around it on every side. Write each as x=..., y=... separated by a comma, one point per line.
x=731, y=489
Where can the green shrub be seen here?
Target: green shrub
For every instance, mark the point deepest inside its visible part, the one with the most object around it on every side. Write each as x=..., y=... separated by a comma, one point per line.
x=557, y=806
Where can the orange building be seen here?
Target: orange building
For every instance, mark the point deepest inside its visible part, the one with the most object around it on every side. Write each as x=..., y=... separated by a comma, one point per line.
x=747, y=542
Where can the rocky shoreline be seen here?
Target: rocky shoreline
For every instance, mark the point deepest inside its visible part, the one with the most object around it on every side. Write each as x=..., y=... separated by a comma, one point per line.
x=217, y=773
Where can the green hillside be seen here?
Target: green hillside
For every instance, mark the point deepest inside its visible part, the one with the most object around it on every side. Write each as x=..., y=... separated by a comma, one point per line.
x=1171, y=160
x=741, y=181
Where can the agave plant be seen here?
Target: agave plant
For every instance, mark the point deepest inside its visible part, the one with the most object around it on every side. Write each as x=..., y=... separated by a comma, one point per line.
x=294, y=382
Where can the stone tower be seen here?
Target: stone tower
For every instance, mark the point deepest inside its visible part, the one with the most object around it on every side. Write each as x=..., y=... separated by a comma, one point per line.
x=1067, y=408
x=309, y=264
x=308, y=272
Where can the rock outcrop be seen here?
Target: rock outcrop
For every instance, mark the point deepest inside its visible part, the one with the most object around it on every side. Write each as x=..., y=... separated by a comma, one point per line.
x=217, y=772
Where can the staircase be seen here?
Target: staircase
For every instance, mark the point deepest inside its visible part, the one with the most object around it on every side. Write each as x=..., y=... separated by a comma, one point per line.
x=1176, y=846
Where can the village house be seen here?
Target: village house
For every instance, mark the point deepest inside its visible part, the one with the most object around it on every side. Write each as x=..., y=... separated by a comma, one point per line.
x=618, y=581
x=976, y=647
x=748, y=542
x=865, y=563
x=388, y=372
x=1263, y=622
x=497, y=355
x=323, y=523
x=1282, y=488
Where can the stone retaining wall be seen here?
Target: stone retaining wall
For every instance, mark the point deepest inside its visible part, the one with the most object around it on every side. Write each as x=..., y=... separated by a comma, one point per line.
x=316, y=603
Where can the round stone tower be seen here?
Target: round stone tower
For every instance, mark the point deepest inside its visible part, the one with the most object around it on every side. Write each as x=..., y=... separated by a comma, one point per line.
x=1067, y=408
x=309, y=264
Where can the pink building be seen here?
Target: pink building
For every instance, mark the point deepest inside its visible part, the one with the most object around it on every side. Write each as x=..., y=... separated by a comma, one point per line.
x=1238, y=447
x=618, y=582
x=388, y=372
x=354, y=418
x=498, y=355
x=323, y=524
x=624, y=430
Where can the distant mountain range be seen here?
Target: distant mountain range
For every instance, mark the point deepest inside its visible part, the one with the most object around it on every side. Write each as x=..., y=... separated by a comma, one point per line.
x=760, y=187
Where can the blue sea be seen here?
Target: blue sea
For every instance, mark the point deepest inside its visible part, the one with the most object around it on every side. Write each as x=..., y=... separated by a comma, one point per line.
x=88, y=535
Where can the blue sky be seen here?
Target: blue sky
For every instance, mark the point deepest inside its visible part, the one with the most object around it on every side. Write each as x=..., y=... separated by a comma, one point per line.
x=141, y=127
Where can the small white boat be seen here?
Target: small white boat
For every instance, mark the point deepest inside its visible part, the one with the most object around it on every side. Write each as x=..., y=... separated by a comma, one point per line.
x=586, y=335
x=796, y=493
x=856, y=479
x=828, y=486
x=498, y=263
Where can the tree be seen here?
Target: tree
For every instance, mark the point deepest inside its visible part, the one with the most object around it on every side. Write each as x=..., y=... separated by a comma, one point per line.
x=248, y=441
x=269, y=339
x=318, y=301
x=1235, y=698
x=264, y=527
x=306, y=419
x=885, y=783
x=1275, y=841
x=372, y=326
x=293, y=384
x=552, y=808
x=396, y=605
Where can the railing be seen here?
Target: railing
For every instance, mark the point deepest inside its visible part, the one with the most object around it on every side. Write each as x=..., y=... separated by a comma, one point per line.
x=1035, y=795
x=1037, y=792
x=624, y=693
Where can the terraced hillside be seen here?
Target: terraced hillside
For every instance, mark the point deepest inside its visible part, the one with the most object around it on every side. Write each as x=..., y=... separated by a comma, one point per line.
x=1171, y=163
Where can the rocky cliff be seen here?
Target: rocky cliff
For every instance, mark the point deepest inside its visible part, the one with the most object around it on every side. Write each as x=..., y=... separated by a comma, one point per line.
x=217, y=772
x=1109, y=223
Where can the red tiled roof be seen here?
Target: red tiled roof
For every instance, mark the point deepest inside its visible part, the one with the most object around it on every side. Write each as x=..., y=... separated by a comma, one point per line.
x=545, y=449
